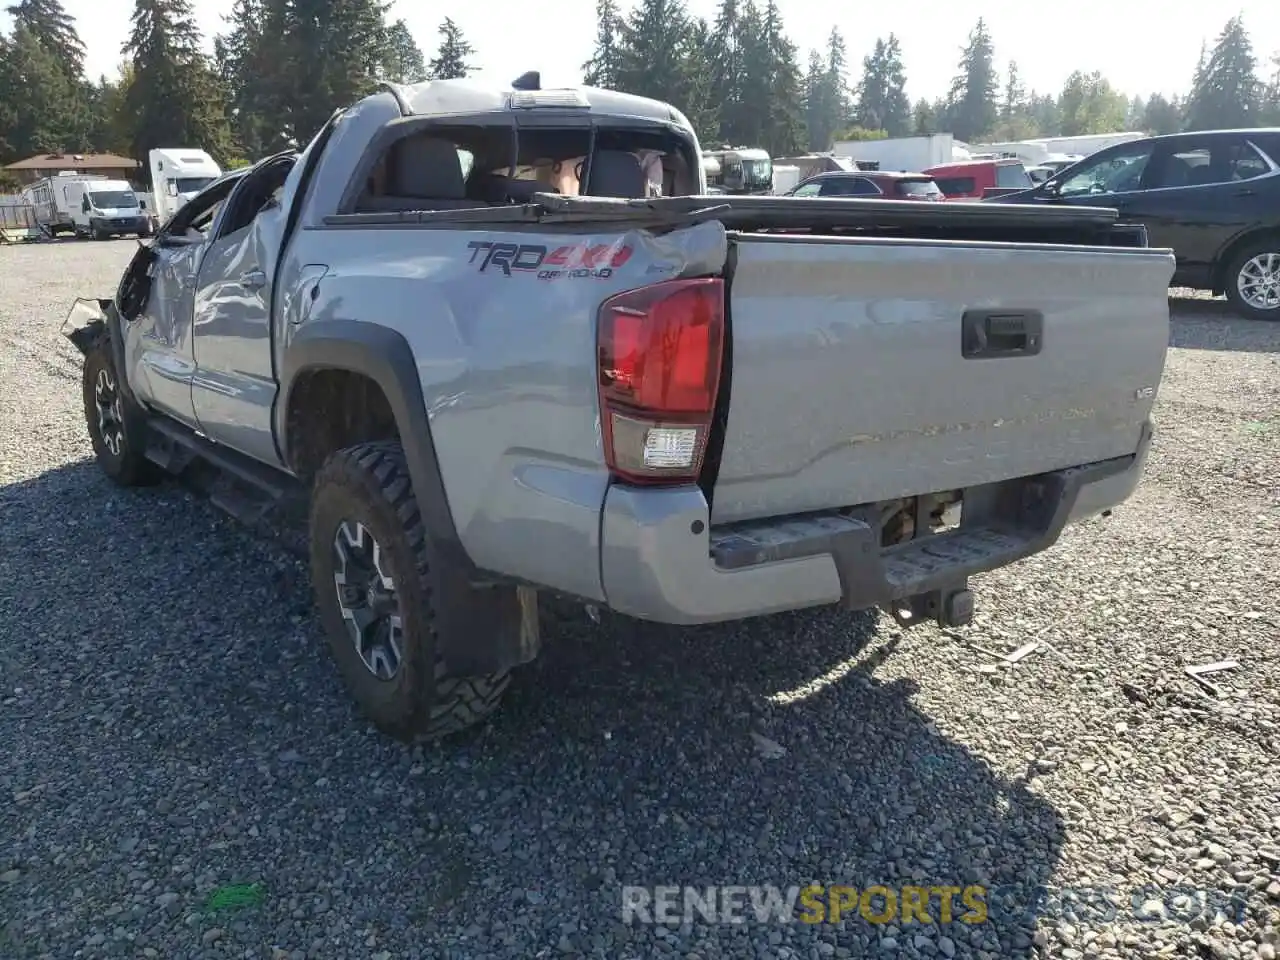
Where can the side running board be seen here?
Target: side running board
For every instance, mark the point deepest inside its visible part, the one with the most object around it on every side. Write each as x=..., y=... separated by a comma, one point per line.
x=244, y=488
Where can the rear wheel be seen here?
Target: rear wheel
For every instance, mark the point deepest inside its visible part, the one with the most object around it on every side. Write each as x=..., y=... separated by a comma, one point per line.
x=116, y=429
x=1253, y=280
x=375, y=580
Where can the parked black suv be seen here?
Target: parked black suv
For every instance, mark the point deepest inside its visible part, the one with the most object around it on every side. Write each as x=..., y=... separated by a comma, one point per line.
x=1213, y=197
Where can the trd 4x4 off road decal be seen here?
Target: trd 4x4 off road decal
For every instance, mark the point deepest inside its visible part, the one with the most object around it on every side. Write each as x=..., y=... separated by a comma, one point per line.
x=549, y=263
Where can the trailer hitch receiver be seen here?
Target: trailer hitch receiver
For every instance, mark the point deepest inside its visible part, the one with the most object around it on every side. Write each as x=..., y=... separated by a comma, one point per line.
x=949, y=607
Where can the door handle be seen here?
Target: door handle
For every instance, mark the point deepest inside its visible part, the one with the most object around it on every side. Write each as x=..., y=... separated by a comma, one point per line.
x=254, y=279
x=1245, y=192
x=987, y=334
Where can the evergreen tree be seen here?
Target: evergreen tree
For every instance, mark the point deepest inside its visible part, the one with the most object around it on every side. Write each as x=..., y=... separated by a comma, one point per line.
x=728, y=72
x=698, y=106
x=815, y=121
x=784, y=122
x=1161, y=117
x=252, y=63
x=1046, y=118
x=111, y=129
x=837, y=79
x=1015, y=121
x=756, y=80
x=663, y=54
x=1270, y=112
x=924, y=118
x=1226, y=92
x=175, y=99
x=882, y=97
x=330, y=51
x=827, y=101
x=402, y=60
x=1088, y=104
x=52, y=26
x=972, y=101
x=38, y=101
x=450, y=61
x=602, y=70
x=1134, y=115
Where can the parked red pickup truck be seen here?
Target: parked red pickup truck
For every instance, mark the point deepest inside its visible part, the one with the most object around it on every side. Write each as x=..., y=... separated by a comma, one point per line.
x=976, y=179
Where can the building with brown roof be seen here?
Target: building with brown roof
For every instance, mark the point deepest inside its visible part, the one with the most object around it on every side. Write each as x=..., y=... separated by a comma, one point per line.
x=51, y=164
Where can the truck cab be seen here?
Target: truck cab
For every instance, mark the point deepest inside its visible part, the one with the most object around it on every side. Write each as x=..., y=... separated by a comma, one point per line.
x=177, y=175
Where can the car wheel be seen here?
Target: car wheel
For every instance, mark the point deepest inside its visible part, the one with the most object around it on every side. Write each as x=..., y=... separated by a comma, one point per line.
x=116, y=430
x=1253, y=280
x=375, y=579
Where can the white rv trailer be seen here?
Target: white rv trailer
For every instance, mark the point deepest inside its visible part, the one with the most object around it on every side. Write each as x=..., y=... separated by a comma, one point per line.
x=54, y=199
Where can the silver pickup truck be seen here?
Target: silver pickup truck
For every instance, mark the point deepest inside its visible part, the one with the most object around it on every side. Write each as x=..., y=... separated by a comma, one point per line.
x=502, y=342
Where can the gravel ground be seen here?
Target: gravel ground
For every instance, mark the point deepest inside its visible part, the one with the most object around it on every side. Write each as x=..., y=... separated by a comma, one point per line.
x=171, y=725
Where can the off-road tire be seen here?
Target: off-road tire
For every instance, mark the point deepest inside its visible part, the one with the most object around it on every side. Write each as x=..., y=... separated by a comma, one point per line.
x=128, y=467
x=1232, y=279
x=369, y=484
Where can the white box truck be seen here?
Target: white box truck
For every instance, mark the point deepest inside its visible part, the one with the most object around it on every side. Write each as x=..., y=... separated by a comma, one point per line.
x=177, y=175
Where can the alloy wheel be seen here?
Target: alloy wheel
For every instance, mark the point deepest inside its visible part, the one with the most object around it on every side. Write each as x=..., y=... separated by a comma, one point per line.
x=367, y=599
x=106, y=398
x=1259, y=281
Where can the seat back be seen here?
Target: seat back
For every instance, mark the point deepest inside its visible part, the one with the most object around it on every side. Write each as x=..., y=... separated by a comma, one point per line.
x=424, y=173
x=616, y=173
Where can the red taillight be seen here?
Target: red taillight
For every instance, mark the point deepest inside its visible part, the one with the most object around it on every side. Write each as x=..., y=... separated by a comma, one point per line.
x=659, y=358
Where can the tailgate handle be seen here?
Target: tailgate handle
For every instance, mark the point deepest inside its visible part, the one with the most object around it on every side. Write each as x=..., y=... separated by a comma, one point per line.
x=987, y=334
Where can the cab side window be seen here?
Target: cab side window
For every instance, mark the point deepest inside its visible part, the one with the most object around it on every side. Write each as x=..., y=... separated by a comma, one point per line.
x=257, y=192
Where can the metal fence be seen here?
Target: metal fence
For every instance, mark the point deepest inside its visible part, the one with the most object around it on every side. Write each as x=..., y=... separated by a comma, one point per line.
x=17, y=216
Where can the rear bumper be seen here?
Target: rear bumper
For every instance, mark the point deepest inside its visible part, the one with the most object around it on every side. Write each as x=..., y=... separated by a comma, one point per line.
x=661, y=561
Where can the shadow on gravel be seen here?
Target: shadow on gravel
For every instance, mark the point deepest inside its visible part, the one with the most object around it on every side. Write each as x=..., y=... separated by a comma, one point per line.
x=1199, y=324
x=180, y=728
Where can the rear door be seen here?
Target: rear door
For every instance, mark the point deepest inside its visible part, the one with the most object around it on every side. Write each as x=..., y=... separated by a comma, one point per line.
x=850, y=382
x=1198, y=195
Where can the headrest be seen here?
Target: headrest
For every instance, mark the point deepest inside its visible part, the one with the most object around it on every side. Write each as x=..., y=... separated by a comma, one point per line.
x=427, y=167
x=616, y=173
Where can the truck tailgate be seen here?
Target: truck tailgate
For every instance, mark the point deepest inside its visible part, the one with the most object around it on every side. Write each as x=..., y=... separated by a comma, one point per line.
x=850, y=383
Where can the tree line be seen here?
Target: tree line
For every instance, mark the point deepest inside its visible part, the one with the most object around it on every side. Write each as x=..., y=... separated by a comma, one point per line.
x=739, y=81
x=281, y=67
x=276, y=73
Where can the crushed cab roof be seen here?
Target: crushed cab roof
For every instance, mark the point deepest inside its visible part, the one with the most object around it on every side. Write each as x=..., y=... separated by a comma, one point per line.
x=444, y=97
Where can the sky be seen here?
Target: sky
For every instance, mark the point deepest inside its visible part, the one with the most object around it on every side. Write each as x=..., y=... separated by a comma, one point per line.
x=1141, y=46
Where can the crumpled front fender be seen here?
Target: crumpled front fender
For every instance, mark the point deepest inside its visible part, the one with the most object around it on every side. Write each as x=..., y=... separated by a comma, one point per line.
x=92, y=322
x=86, y=323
